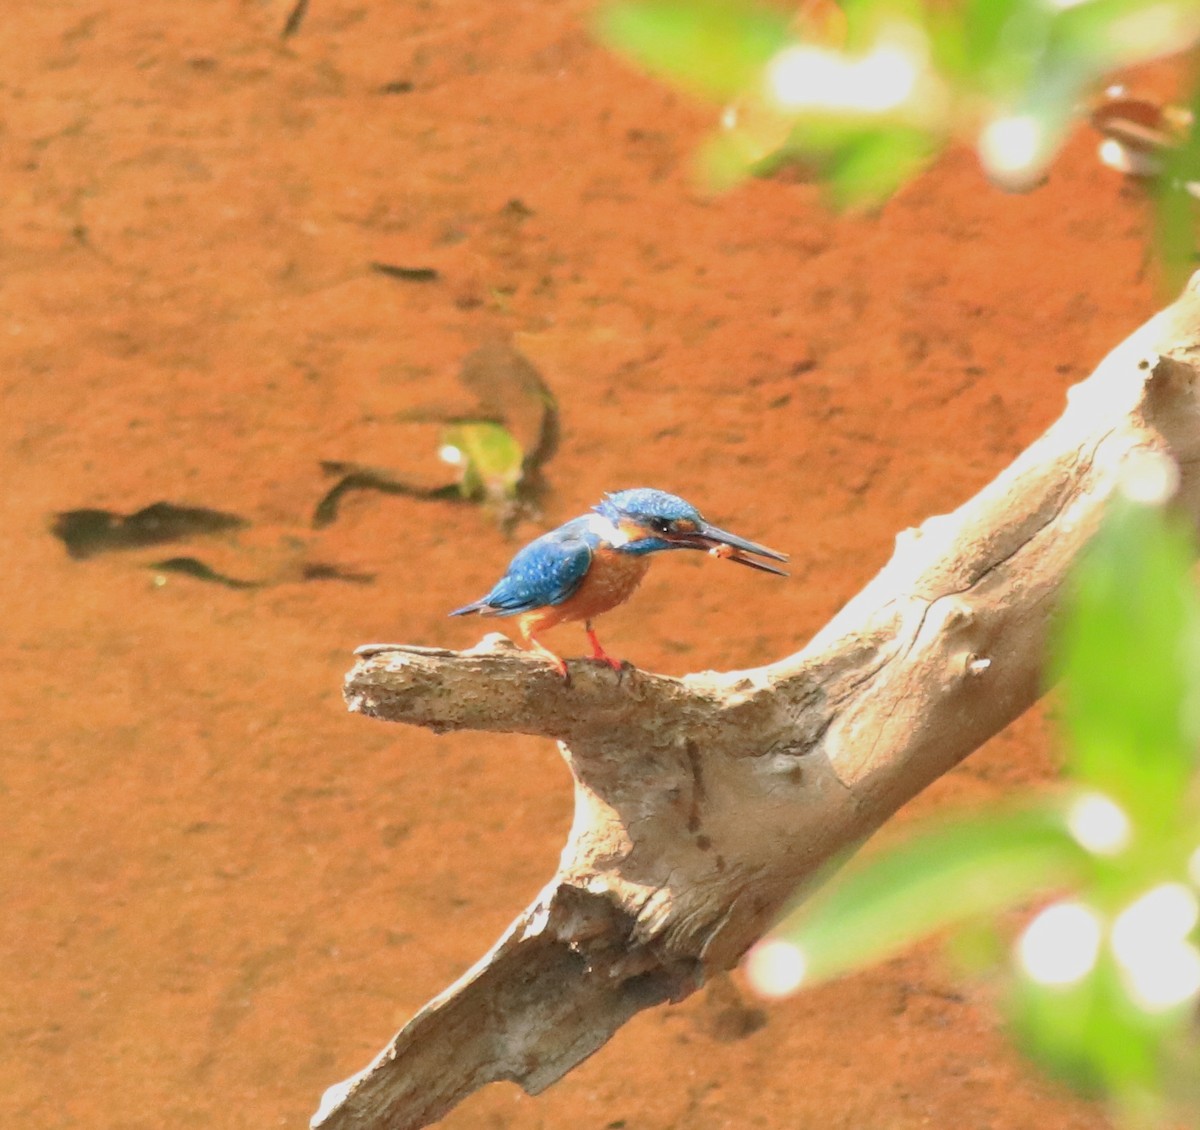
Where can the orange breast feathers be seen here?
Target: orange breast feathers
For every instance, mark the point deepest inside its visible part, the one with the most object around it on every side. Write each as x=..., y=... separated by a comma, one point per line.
x=609, y=581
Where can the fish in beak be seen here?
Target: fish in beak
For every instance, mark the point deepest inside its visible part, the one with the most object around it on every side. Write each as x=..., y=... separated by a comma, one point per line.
x=729, y=546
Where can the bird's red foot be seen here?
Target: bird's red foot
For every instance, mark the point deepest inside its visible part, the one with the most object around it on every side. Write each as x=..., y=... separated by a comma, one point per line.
x=600, y=654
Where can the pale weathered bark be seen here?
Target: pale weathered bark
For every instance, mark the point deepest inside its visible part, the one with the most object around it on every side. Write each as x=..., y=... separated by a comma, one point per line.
x=704, y=803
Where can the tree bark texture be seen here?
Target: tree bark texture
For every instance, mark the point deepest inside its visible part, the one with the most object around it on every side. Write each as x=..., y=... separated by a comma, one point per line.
x=704, y=803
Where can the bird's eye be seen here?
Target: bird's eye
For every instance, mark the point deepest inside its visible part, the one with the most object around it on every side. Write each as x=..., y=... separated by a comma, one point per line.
x=661, y=525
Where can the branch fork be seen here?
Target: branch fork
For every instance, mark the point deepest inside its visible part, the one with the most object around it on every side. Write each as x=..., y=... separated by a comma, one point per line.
x=704, y=803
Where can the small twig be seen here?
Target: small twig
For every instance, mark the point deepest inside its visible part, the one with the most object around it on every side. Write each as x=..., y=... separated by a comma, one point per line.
x=295, y=19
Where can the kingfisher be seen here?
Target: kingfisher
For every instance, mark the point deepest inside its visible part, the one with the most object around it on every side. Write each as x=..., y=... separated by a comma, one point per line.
x=596, y=561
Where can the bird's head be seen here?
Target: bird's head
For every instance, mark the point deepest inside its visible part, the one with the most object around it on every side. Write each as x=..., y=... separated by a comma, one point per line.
x=647, y=521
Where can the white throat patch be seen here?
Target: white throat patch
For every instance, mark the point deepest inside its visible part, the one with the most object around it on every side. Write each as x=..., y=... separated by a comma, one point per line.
x=607, y=530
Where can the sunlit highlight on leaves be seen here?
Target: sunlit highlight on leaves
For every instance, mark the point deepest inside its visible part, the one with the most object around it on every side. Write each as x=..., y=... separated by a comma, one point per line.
x=1099, y=824
x=1150, y=944
x=845, y=96
x=1060, y=946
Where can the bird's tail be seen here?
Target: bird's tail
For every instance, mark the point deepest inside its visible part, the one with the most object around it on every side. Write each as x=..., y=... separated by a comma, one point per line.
x=469, y=609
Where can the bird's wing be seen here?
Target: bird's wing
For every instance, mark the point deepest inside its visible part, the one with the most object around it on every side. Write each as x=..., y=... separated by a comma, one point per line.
x=547, y=571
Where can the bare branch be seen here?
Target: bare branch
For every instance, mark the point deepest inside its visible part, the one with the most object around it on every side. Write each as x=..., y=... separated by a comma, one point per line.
x=702, y=804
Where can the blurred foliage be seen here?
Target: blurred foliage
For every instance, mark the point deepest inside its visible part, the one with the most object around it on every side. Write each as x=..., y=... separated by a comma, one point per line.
x=1101, y=986
x=1177, y=187
x=713, y=49
x=867, y=92
x=490, y=460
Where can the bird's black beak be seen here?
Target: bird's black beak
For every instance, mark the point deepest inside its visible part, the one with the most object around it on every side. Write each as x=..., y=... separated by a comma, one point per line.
x=720, y=543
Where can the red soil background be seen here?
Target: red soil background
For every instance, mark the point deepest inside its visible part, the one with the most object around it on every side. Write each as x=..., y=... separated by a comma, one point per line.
x=222, y=892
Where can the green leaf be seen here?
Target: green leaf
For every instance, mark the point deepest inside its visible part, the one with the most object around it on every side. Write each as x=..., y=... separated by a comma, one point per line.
x=715, y=48
x=876, y=164
x=1129, y=655
x=490, y=459
x=938, y=879
x=865, y=19
x=1175, y=211
x=1002, y=43
x=1090, y=1035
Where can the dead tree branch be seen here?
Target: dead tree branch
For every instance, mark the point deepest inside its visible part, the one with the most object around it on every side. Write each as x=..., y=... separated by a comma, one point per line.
x=703, y=803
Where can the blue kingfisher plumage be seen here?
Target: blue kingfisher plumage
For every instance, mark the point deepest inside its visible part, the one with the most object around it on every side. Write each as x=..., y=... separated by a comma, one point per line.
x=596, y=561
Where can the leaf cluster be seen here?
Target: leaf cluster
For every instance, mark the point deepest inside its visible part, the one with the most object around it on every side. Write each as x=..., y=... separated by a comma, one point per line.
x=866, y=93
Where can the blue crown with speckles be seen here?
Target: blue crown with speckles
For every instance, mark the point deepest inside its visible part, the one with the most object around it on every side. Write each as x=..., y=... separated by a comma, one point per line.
x=646, y=502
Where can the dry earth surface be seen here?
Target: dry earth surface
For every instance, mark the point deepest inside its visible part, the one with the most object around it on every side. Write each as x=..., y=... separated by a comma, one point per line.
x=222, y=892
